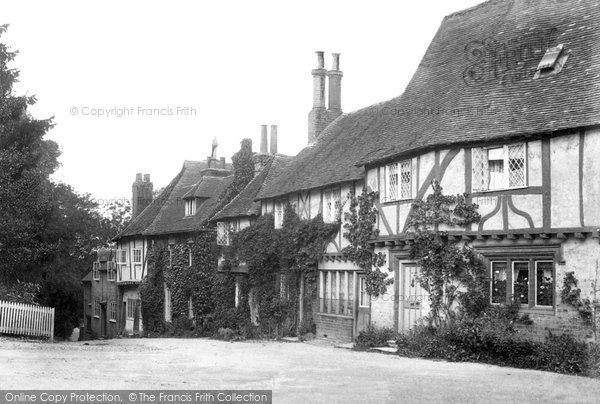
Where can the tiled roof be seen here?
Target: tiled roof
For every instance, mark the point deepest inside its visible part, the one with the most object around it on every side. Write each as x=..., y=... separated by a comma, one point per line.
x=166, y=213
x=474, y=84
x=87, y=278
x=244, y=203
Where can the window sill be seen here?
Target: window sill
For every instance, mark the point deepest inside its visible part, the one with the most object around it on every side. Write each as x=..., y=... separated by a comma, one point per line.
x=498, y=190
x=335, y=315
x=113, y=321
x=546, y=311
x=98, y=317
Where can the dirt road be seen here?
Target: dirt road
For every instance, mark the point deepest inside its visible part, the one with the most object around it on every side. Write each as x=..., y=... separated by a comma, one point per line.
x=296, y=372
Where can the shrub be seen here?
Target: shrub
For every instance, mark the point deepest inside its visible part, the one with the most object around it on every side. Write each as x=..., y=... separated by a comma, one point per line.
x=492, y=338
x=374, y=337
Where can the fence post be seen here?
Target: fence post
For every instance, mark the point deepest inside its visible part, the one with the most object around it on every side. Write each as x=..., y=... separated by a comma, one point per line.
x=52, y=325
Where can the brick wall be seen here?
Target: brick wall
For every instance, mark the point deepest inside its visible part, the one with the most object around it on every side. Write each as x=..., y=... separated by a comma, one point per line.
x=337, y=328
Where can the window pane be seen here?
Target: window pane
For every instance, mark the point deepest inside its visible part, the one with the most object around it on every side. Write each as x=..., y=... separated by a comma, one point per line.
x=516, y=165
x=405, y=190
x=496, y=168
x=480, y=169
x=544, y=283
x=498, y=282
x=392, y=182
x=521, y=282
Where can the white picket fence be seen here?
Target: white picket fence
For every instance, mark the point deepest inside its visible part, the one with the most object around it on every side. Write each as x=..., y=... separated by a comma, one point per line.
x=27, y=320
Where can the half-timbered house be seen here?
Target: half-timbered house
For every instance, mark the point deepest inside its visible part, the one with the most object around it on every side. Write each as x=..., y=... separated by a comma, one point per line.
x=505, y=107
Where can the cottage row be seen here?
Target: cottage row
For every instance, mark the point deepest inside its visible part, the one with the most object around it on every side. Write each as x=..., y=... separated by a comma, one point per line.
x=504, y=106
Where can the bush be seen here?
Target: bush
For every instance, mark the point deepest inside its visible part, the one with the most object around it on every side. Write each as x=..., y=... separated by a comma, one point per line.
x=374, y=337
x=492, y=338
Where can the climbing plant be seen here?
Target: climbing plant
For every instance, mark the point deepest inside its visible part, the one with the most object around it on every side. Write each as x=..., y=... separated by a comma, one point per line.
x=453, y=274
x=571, y=294
x=269, y=253
x=243, y=168
x=360, y=226
x=151, y=290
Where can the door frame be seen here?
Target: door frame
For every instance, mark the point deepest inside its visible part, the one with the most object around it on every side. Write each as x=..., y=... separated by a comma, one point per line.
x=398, y=260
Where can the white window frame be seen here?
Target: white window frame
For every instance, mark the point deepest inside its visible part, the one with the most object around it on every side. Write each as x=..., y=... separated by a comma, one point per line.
x=121, y=262
x=137, y=263
x=396, y=170
x=505, y=183
x=190, y=207
x=535, y=269
x=96, y=271
x=364, y=299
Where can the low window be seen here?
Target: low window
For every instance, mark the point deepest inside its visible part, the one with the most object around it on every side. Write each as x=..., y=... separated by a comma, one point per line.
x=97, y=308
x=222, y=233
x=336, y=292
x=112, y=309
x=398, y=181
x=526, y=281
x=284, y=286
x=132, y=308
x=365, y=299
x=168, y=304
x=190, y=308
x=501, y=167
x=278, y=213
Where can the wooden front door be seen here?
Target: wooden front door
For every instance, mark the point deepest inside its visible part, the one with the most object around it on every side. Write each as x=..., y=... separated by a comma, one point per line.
x=413, y=299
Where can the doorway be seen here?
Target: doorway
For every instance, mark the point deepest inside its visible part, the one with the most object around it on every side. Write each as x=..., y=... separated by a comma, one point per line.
x=412, y=299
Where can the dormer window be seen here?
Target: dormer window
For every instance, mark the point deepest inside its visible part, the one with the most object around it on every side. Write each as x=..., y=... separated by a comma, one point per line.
x=190, y=207
x=501, y=167
x=398, y=181
x=552, y=62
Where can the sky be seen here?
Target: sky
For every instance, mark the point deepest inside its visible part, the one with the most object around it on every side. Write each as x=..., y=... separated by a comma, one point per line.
x=141, y=86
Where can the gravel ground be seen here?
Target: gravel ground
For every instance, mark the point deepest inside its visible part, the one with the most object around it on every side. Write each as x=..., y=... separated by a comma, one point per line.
x=296, y=372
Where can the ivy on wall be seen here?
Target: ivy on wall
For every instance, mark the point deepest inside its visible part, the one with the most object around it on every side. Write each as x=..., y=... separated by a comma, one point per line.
x=152, y=291
x=571, y=294
x=454, y=275
x=243, y=168
x=360, y=226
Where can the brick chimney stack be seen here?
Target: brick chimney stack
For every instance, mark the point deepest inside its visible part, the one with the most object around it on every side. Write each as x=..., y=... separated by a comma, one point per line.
x=335, y=85
x=273, y=145
x=319, y=117
x=141, y=194
x=264, y=148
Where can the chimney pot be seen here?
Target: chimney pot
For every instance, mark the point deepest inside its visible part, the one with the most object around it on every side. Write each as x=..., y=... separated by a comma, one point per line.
x=263, y=139
x=138, y=177
x=335, y=62
x=273, y=139
x=223, y=162
x=146, y=177
x=320, y=59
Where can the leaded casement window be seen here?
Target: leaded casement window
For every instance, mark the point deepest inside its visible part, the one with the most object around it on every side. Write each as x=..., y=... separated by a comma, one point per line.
x=132, y=308
x=96, y=271
x=97, y=307
x=332, y=204
x=190, y=207
x=398, y=181
x=222, y=233
x=530, y=282
x=336, y=292
x=112, y=311
x=502, y=167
